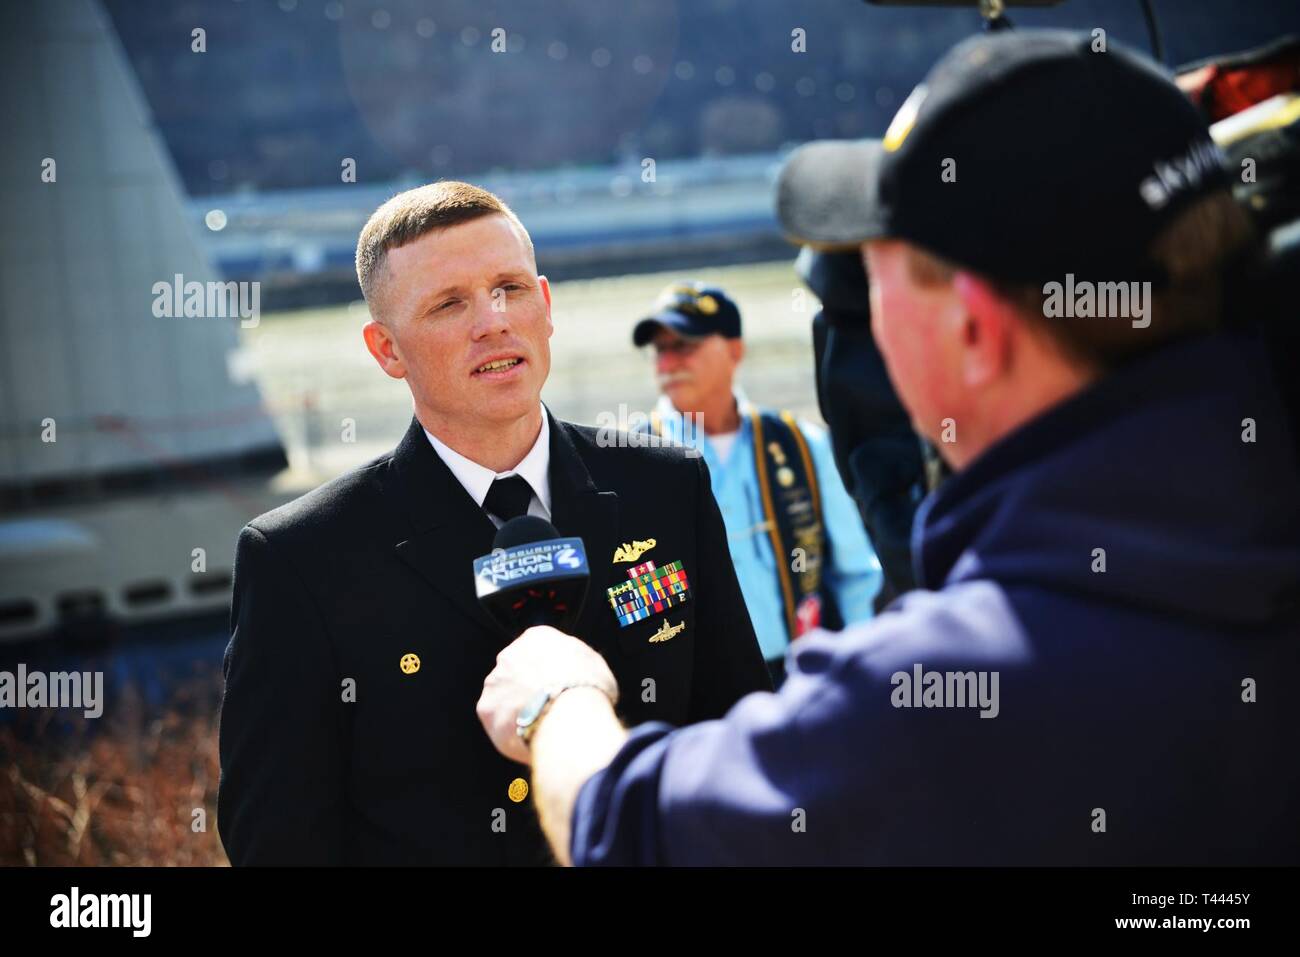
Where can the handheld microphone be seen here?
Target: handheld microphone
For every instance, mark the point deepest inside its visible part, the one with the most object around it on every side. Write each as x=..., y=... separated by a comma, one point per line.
x=533, y=576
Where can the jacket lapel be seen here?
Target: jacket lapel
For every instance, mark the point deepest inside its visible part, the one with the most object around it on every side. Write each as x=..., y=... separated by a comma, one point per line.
x=579, y=508
x=446, y=531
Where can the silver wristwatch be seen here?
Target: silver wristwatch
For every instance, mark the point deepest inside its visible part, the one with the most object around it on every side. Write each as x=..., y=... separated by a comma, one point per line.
x=531, y=713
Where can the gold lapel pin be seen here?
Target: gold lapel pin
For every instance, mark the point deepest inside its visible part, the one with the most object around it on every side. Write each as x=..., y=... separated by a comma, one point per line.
x=666, y=632
x=631, y=552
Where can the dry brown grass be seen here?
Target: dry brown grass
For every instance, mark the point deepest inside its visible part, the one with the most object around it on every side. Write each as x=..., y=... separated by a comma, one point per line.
x=123, y=793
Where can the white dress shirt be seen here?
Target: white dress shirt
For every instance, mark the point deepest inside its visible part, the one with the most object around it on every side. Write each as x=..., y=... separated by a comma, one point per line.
x=477, y=479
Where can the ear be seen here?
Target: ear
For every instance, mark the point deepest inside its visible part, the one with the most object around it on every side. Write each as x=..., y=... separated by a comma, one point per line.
x=546, y=294
x=382, y=345
x=737, y=348
x=987, y=326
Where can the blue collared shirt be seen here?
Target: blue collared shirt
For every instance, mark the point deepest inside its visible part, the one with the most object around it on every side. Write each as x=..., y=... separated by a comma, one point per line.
x=854, y=576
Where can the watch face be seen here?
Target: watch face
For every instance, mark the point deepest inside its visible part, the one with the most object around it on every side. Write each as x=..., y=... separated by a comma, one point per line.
x=531, y=710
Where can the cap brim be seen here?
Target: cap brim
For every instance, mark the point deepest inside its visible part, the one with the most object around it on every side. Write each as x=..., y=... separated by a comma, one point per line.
x=645, y=330
x=827, y=194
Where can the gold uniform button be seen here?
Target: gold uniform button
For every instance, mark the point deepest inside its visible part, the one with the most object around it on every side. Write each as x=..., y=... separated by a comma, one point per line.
x=518, y=790
x=410, y=663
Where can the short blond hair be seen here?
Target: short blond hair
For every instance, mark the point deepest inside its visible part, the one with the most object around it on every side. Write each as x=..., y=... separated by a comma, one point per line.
x=417, y=212
x=1194, y=251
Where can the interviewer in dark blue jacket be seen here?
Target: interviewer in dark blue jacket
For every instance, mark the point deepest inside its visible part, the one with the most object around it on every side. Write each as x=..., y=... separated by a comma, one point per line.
x=1098, y=662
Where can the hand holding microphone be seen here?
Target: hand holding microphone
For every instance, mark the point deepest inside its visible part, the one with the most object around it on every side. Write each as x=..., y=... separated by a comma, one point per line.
x=534, y=583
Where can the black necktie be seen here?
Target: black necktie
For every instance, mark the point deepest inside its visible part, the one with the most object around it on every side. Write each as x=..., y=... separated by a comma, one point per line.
x=508, y=497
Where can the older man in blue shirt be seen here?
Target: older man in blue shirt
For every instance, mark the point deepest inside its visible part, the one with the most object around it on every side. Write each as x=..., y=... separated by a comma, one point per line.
x=774, y=477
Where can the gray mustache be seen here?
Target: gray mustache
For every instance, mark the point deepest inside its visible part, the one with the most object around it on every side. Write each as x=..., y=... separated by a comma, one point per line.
x=668, y=378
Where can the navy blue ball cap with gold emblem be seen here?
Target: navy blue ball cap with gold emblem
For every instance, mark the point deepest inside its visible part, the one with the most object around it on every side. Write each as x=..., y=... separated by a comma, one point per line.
x=690, y=309
x=1023, y=155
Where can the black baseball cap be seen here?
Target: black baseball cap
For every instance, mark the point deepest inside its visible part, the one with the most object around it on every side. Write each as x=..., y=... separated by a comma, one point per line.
x=690, y=309
x=1023, y=155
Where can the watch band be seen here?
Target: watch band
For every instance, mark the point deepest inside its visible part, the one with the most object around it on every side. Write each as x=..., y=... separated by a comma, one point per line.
x=525, y=727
